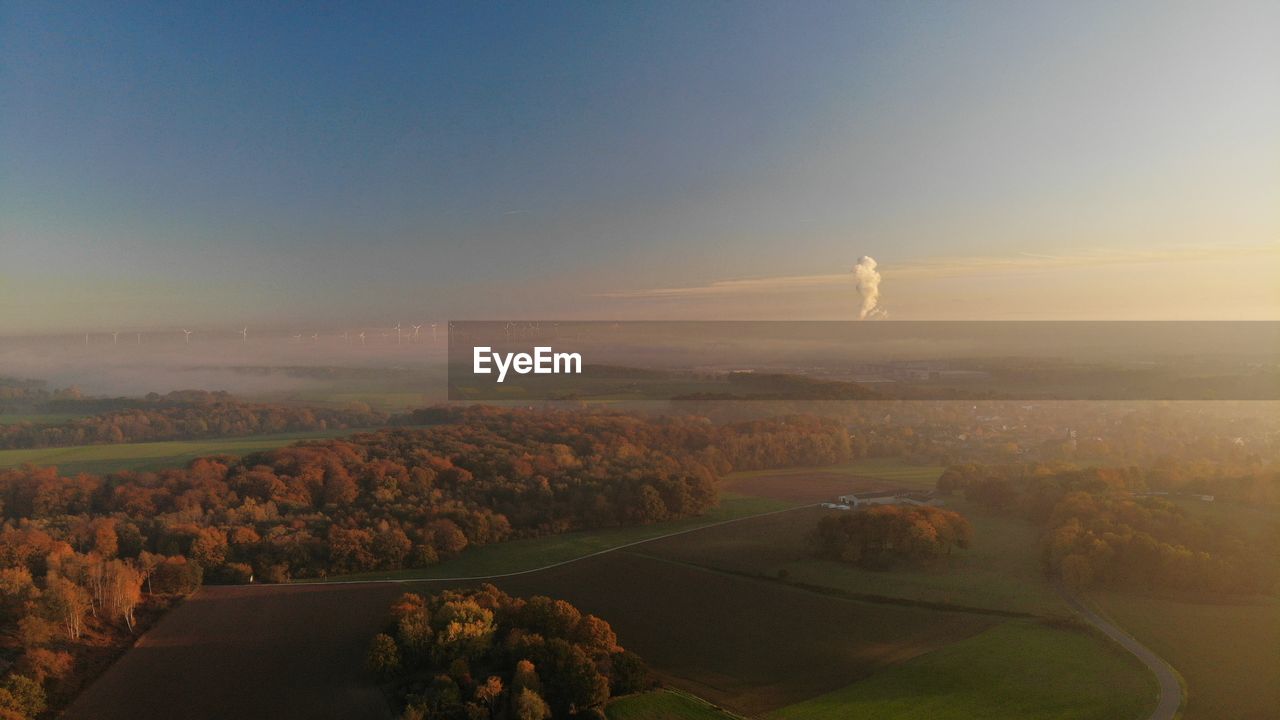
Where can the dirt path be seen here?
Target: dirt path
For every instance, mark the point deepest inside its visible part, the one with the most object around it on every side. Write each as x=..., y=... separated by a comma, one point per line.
x=1170, y=697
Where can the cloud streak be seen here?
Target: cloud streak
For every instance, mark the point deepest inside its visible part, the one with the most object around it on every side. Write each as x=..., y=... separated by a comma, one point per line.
x=973, y=266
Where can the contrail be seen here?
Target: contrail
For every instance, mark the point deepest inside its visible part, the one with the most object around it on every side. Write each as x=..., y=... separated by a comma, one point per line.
x=868, y=283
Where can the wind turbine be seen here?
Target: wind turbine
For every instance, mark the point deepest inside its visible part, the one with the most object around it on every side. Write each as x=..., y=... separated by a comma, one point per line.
x=298, y=337
x=115, y=337
x=86, y=338
x=416, y=328
x=361, y=336
x=139, y=338
x=187, y=336
x=346, y=337
x=433, y=332
x=315, y=337
x=397, y=329
x=244, y=334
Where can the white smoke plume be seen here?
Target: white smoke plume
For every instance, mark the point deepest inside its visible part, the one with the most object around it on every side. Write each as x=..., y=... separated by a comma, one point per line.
x=867, y=281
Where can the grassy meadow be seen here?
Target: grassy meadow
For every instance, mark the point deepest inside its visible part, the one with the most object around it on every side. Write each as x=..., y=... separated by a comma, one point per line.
x=665, y=704
x=1000, y=571
x=38, y=418
x=891, y=471
x=151, y=455
x=1209, y=644
x=1019, y=669
x=532, y=553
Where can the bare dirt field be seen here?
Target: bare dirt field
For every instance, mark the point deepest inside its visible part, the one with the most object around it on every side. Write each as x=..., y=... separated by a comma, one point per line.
x=296, y=651
x=756, y=546
x=284, y=651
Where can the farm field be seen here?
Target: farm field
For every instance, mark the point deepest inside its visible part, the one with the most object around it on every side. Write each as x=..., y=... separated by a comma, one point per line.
x=390, y=401
x=815, y=484
x=749, y=645
x=522, y=555
x=691, y=606
x=38, y=418
x=279, y=651
x=1020, y=669
x=1209, y=644
x=1000, y=571
x=152, y=455
x=664, y=705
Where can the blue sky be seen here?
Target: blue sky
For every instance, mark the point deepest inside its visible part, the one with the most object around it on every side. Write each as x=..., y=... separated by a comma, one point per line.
x=221, y=163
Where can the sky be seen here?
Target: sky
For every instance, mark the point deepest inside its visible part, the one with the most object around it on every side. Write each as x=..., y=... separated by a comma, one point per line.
x=220, y=164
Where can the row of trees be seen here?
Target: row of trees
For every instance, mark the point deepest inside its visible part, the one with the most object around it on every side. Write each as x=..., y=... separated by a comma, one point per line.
x=481, y=654
x=1183, y=445
x=1102, y=528
x=408, y=497
x=185, y=415
x=23, y=395
x=885, y=534
x=1106, y=539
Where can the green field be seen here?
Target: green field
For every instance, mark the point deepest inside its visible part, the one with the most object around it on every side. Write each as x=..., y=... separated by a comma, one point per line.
x=664, y=705
x=1000, y=571
x=390, y=401
x=1228, y=654
x=1019, y=669
x=891, y=470
x=521, y=555
x=38, y=418
x=151, y=455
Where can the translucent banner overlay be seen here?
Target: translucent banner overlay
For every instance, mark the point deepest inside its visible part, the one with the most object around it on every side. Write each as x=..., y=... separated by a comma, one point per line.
x=887, y=360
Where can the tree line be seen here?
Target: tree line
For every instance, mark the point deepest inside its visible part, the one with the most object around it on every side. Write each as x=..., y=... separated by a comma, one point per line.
x=484, y=655
x=1103, y=529
x=880, y=536
x=184, y=415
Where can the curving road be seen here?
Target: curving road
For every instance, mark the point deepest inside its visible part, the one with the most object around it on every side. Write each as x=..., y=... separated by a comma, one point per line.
x=1170, y=698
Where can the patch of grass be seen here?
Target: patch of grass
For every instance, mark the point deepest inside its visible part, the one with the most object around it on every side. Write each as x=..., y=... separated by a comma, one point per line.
x=38, y=418
x=1019, y=669
x=151, y=455
x=1000, y=571
x=664, y=705
x=520, y=555
x=392, y=401
x=1228, y=654
x=891, y=470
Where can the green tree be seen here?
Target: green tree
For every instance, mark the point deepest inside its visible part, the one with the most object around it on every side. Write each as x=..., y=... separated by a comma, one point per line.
x=383, y=657
x=529, y=705
x=462, y=628
x=21, y=694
